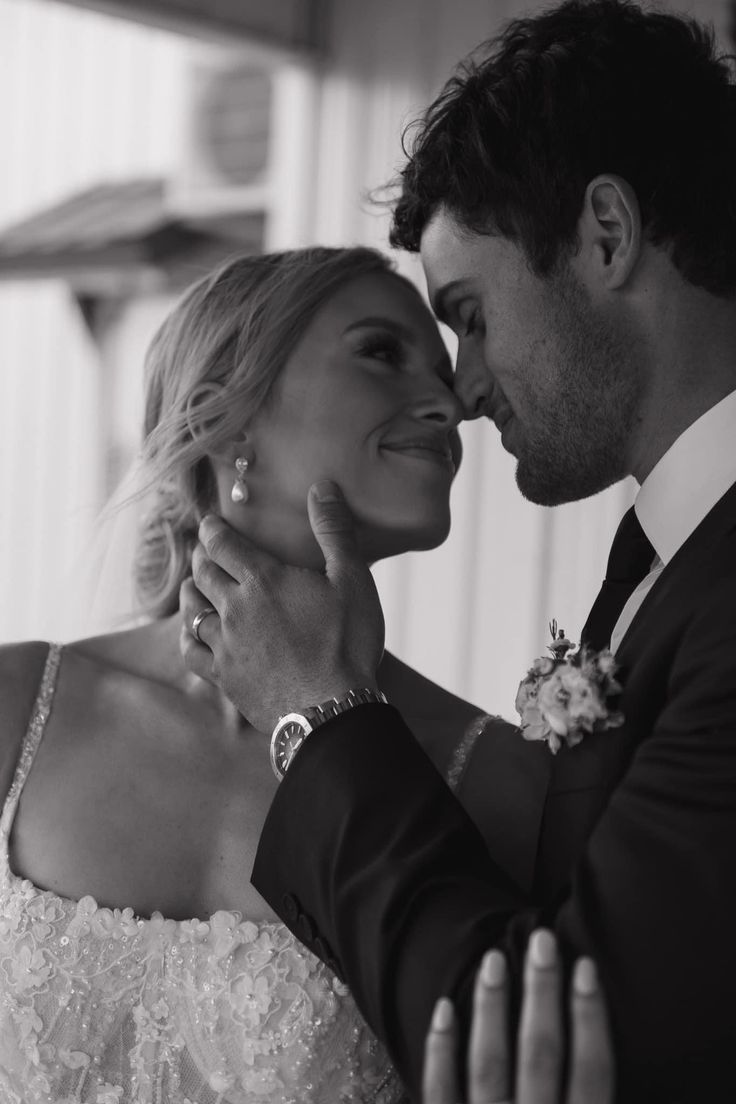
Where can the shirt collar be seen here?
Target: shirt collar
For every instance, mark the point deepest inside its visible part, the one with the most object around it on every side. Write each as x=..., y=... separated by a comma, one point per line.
x=685, y=484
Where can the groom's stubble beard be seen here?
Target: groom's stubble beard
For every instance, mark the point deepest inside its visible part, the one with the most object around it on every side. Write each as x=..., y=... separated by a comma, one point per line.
x=584, y=387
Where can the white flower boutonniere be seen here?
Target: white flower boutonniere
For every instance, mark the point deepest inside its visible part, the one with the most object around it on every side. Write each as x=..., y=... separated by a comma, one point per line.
x=566, y=695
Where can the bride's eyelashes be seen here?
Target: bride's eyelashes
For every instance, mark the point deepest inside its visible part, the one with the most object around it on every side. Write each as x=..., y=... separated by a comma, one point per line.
x=383, y=347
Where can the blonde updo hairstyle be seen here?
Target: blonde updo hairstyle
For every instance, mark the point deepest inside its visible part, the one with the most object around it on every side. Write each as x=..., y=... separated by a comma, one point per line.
x=209, y=369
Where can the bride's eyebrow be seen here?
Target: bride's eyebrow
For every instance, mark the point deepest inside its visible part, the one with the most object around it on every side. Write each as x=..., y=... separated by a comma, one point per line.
x=391, y=324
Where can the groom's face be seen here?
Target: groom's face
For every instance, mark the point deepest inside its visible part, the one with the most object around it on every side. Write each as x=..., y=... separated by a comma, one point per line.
x=560, y=378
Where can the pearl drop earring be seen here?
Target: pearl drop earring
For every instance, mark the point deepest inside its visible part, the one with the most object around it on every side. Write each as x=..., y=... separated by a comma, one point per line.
x=239, y=492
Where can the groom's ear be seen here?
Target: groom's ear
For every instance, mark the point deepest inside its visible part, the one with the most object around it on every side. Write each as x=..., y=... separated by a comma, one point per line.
x=609, y=232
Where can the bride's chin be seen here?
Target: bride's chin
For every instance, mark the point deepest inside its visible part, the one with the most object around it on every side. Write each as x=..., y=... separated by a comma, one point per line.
x=381, y=544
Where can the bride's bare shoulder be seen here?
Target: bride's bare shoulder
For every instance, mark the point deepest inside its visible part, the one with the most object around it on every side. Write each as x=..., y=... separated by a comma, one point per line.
x=21, y=669
x=140, y=652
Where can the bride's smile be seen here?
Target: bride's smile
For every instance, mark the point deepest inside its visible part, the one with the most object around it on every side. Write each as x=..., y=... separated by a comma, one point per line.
x=367, y=388
x=436, y=448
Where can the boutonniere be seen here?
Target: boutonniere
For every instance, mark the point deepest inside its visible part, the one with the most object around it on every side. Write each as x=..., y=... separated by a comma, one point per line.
x=566, y=695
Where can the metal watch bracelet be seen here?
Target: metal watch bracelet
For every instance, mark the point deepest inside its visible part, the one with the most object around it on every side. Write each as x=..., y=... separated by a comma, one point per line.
x=302, y=724
x=333, y=707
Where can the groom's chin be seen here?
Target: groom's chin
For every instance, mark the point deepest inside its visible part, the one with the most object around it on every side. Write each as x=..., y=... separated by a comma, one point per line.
x=551, y=485
x=533, y=492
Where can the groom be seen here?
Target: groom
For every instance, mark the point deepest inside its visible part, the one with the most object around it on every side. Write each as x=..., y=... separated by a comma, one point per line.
x=573, y=196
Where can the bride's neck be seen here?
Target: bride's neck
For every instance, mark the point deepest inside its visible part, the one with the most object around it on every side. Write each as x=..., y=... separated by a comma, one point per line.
x=152, y=652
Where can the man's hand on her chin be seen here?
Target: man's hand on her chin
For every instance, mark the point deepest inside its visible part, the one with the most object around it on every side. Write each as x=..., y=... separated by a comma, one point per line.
x=283, y=638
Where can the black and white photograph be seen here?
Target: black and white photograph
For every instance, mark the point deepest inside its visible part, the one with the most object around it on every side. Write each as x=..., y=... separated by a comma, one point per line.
x=368, y=552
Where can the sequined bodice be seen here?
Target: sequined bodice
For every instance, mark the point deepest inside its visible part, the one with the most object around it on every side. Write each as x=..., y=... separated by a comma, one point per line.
x=99, y=1006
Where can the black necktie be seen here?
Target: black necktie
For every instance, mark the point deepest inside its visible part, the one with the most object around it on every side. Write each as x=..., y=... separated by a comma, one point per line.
x=630, y=560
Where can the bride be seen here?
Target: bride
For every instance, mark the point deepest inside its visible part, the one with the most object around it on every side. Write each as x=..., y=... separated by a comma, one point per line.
x=137, y=961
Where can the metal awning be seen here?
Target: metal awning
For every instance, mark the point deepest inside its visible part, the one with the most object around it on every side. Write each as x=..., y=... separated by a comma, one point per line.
x=124, y=233
x=294, y=26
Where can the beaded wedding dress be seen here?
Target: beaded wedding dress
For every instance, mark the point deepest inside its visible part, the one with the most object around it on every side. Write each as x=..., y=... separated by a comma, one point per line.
x=102, y=1007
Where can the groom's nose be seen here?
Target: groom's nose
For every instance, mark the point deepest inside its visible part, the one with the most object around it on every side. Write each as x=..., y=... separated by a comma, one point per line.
x=473, y=385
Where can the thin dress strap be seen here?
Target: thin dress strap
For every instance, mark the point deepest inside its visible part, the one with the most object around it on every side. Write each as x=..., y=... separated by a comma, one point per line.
x=464, y=749
x=32, y=738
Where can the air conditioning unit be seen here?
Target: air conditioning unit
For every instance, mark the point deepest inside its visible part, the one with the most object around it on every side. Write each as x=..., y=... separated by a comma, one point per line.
x=227, y=133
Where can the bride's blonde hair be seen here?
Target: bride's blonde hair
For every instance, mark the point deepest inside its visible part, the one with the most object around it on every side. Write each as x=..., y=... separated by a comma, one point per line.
x=209, y=369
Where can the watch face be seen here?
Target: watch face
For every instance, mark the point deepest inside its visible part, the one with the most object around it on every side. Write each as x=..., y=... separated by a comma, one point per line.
x=291, y=739
x=291, y=734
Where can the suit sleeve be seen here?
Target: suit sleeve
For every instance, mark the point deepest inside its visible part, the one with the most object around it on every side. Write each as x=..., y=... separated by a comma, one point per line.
x=365, y=845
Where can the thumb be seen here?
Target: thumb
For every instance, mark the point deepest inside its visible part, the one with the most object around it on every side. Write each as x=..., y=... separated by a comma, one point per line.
x=333, y=526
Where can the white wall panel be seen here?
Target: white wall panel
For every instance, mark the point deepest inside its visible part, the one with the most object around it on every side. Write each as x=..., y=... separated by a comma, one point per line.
x=82, y=98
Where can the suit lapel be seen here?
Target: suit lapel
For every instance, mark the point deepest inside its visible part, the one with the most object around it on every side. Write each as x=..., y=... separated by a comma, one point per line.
x=686, y=569
x=581, y=778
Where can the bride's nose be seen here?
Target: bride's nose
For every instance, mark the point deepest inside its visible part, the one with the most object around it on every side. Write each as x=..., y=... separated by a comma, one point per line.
x=441, y=407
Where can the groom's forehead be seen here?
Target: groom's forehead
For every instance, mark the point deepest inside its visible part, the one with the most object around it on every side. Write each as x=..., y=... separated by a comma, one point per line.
x=442, y=237
x=453, y=255
x=444, y=256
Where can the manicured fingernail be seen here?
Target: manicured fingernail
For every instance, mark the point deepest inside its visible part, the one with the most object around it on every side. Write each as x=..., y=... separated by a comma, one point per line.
x=493, y=970
x=326, y=491
x=585, y=977
x=543, y=949
x=443, y=1015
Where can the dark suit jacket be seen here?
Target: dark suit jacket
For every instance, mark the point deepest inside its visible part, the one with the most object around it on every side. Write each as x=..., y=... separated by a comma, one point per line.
x=625, y=845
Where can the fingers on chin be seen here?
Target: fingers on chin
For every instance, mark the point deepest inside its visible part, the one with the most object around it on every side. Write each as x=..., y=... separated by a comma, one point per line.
x=187, y=643
x=189, y=596
x=197, y=657
x=210, y=579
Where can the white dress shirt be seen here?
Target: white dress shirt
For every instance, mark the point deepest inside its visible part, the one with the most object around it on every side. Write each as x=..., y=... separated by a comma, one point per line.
x=694, y=473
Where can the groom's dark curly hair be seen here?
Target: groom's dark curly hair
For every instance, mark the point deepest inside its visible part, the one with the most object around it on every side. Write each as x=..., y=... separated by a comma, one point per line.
x=588, y=87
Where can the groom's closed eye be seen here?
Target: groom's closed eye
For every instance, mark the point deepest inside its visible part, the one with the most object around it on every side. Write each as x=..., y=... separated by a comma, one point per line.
x=462, y=315
x=472, y=323
x=443, y=304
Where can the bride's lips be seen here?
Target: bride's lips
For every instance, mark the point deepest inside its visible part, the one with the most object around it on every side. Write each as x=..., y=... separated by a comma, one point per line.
x=438, y=453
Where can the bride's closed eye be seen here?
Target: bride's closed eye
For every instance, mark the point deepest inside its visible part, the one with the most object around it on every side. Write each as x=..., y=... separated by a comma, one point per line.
x=383, y=347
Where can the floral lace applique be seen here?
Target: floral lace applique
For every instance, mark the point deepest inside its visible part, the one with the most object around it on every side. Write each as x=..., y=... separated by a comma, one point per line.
x=101, y=1007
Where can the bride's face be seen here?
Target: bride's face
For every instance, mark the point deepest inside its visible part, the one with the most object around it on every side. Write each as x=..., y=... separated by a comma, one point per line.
x=365, y=399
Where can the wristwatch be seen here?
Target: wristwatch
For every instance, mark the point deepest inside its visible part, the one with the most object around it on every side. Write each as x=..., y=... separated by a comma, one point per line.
x=293, y=729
